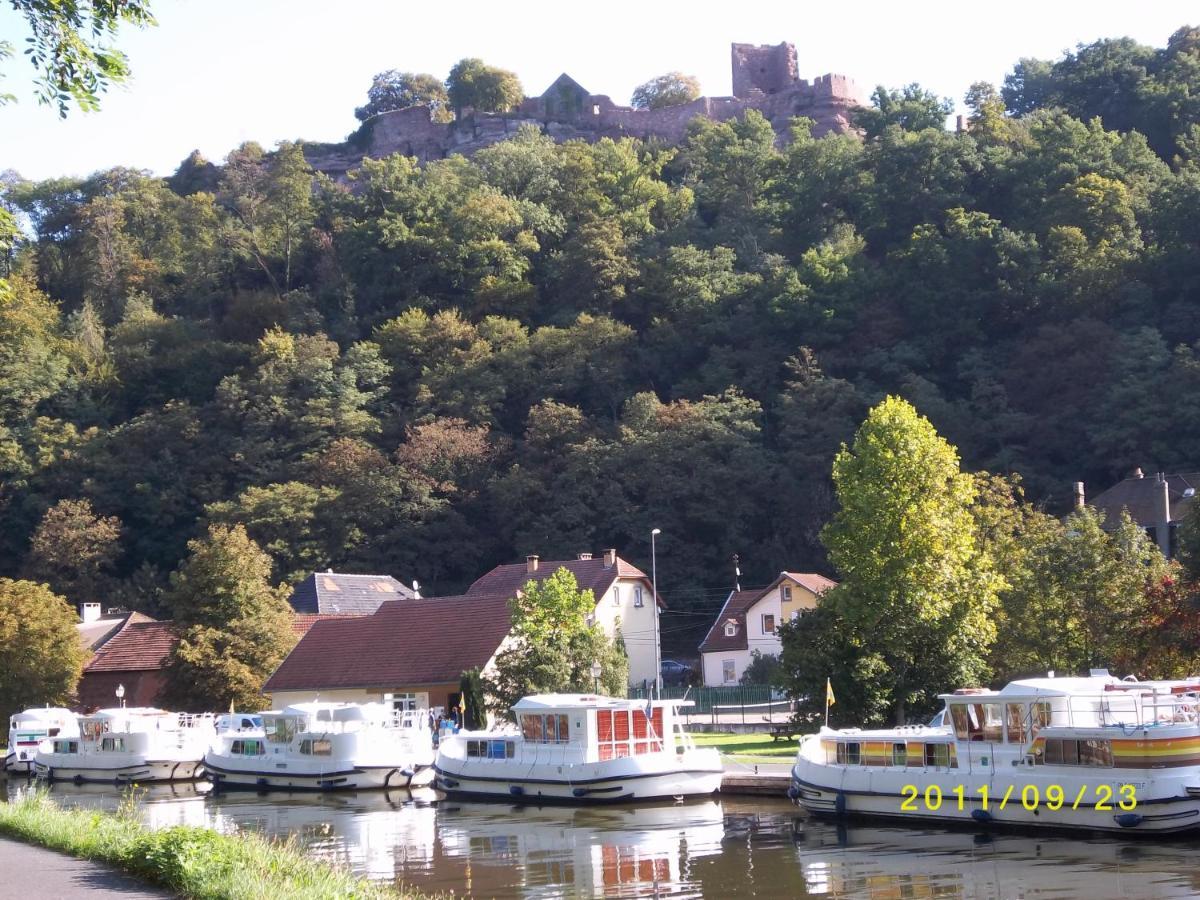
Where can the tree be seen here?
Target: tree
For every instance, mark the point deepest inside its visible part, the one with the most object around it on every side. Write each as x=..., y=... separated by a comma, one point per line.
x=474, y=700
x=41, y=657
x=74, y=550
x=69, y=46
x=917, y=592
x=672, y=89
x=234, y=627
x=399, y=90
x=472, y=83
x=553, y=645
x=912, y=108
x=763, y=669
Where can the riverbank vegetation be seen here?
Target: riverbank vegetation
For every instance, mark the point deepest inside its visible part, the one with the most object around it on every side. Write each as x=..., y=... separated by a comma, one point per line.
x=190, y=861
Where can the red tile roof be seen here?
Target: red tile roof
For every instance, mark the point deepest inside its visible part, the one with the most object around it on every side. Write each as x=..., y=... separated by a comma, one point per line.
x=738, y=602
x=141, y=645
x=406, y=642
x=818, y=584
x=591, y=574
x=303, y=622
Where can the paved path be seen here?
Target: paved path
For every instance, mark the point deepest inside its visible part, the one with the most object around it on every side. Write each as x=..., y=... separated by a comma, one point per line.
x=30, y=871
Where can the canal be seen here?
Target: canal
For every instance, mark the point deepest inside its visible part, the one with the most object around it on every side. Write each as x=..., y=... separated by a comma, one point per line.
x=732, y=847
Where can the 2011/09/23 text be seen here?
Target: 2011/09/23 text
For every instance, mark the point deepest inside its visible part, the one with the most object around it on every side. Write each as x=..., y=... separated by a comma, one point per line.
x=1102, y=797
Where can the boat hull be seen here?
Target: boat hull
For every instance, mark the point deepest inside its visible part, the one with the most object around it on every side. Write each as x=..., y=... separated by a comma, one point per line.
x=133, y=771
x=587, y=783
x=1167, y=807
x=348, y=778
x=21, y=766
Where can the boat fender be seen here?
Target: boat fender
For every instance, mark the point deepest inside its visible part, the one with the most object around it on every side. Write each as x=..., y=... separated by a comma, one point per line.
x=448, y=782
x=839, y=804
x=793, y=793
x=516, y=790
x=407, y=773
x=78, y=779
x=261, y=782
x=1128, y=820
x=579, y=792
x=981, y=815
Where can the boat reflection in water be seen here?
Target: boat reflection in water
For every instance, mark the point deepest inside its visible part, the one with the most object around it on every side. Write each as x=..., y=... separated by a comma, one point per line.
x=728, y=847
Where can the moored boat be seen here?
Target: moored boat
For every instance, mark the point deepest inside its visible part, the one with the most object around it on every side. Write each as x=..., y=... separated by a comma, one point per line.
x=326, y=747
x=129, y=744
x=32, y=729
x=581, y=748
x=1089, y=754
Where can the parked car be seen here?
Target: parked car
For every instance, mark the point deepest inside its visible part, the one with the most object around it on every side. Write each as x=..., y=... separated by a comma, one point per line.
x=675, y=672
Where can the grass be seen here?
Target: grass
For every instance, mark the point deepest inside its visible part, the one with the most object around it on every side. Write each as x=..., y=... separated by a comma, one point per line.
x=755, y=748
x=190, y=861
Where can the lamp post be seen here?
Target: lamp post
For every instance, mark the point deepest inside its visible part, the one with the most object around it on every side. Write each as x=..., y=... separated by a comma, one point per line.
x=654, y=590
x=121, y=695
x=597, y=670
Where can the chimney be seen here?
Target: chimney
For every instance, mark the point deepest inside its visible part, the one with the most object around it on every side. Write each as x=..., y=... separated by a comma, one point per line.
x=610, y=558
x=1163, y=531
x=89, y=612
x=1079, y=501
x=1137, y=473
x=416, y=590
x=584, y=556
x=531, y=563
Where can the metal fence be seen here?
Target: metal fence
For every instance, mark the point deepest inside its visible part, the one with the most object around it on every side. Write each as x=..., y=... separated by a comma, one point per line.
x=748, y=704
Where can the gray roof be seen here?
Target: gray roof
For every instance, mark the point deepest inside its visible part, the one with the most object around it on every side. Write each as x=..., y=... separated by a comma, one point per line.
x=332, y=593
x=1142, y=497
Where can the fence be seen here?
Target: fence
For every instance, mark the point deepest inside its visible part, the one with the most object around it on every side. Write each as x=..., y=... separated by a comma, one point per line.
x=747, y=704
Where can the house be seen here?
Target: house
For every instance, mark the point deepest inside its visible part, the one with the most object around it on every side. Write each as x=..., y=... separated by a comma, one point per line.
x=748, y=621
x=622, y=593
x=410, y=652
x=134, y=656
x=339, y=593
x=1158, y=504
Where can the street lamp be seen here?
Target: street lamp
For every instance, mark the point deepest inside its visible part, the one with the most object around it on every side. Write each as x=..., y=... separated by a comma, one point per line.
x=654, y=590
x=121, y=694
x=597, y=669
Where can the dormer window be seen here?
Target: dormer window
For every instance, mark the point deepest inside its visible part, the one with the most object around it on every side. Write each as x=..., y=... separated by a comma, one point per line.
x=731, y=629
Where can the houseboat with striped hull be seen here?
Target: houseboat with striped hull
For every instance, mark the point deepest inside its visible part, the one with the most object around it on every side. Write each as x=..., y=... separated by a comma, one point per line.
x=326, y=747
x=129, y=745
x=32, y=730
x=1086, y=754
x=580, y=748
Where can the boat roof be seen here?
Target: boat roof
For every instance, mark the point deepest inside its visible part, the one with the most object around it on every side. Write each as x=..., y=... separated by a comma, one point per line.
x=562, y=701
x=1063, y=687
x=42, y=714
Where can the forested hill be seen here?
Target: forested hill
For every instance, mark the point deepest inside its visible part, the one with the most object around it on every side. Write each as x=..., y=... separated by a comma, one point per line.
x=554, y=348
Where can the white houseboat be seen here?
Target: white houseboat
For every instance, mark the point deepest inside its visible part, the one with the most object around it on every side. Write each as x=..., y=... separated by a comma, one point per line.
x=326, y=747
x=1093, y=754
x=132, y=744
x=30, y=730
x=581, y=748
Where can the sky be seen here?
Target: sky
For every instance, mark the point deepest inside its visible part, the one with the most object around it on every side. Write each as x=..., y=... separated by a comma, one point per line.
x=215, y=73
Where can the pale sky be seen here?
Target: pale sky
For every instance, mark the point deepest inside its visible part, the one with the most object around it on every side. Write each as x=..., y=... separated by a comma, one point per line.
x=215, y=73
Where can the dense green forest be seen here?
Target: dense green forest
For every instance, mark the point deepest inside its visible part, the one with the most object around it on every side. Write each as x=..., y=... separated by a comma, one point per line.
x=553, y=348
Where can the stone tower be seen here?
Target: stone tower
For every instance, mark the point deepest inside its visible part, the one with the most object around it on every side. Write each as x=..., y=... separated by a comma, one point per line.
x=763, y=69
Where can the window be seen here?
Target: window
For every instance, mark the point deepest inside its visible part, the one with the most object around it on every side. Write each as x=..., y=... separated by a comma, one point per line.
x=937, y=755
x=1015, y=718
x=731, y=629
x=404, y=702
x=280, y=729
x=321, y=748
x=113, y=745
x=962, y=721
x=785, y=593
x=1066, y=752
x=849, y=753
x=250, y=747
x=768, y=623
x=551, y=729
x=235, y=749
x=616, y=595
x=899, y=754
x=66, y=746
x=637, y=596
x=729, y=671
x=1041, y=715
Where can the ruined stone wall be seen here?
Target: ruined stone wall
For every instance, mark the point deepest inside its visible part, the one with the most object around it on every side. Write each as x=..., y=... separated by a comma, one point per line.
x=763, y=69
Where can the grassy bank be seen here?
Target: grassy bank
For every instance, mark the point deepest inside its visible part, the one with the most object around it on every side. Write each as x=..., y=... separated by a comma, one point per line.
x=193, y=862
x=752, y=748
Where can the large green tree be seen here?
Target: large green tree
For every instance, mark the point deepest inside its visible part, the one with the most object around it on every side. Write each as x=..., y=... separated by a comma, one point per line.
x=398, y=90
x=74, y=550
x=40, y=654
x=553, y=646
x=672, y=89
x=917, y=592
x=473, y=83
x=234, y=627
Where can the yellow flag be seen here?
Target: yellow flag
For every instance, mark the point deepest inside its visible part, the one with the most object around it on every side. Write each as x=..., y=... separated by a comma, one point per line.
x=829, y=700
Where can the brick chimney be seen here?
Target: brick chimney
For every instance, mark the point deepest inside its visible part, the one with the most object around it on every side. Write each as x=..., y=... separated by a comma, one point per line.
x=531, y=564
x=1079, y=501
x=610, y=558
x=89, y=612
x=583, y=556
x=1163, y=504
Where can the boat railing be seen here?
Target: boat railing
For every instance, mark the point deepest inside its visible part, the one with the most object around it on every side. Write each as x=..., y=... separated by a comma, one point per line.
x=1130, y=707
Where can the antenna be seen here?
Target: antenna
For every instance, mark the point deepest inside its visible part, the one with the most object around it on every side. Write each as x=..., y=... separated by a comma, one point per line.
x=737, y=574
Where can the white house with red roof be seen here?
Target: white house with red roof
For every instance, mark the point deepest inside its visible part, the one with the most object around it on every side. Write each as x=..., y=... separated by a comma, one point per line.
x=748, y=621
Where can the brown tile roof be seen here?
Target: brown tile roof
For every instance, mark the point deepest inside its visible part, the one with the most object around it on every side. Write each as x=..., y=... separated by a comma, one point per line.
x=93, y=634
x=734, y=610
x=1141, y=495
x=818, y=584
x=591, y=574
x=142, y=644
x=303, y=622
x=406, y=642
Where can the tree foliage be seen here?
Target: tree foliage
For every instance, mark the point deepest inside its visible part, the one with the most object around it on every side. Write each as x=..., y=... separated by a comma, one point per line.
x=472, y=83
x=672, y=89
x=393, y=89
x=75, y=550
x=40, y=654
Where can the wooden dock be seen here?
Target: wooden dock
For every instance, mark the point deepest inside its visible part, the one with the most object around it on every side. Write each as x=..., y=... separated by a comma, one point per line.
x=766, y=784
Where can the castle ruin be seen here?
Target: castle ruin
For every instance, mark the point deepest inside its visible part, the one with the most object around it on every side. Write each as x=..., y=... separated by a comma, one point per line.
x=764, y=78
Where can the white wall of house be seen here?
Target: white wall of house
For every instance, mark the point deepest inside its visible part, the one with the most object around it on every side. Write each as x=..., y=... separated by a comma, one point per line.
x=720, y=665
x=631, y=601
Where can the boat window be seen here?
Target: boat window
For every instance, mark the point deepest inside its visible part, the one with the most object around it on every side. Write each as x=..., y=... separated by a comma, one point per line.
x=937, y=755
x=1069, y=752
x=93, y=728
x=473, y=749
x=1041, y=715
x=322, y=748
x=962, y=721
x=899, y=754
x=53, y=732
x=279, y=730
x=306, y=747
x=1015, y=717
x=531, y=728
x=252, y=748
x=113, y=744
x=1095, y=752
x=235, y=749
x=66, y=746
x=993, y=724
x=1052, y=753
x=849, y=753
